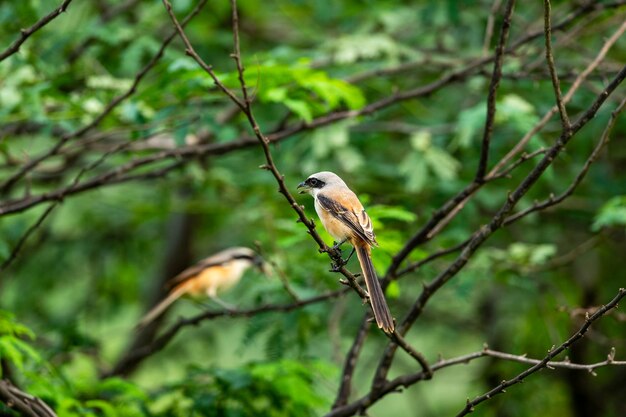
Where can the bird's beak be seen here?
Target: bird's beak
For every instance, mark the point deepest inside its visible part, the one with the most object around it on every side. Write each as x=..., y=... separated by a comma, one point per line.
x=263, y=266
x=305, y=188
x=266, y=269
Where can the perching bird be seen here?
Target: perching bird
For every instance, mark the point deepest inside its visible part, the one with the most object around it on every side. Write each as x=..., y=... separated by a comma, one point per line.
x=345, y=219
x=208, y=277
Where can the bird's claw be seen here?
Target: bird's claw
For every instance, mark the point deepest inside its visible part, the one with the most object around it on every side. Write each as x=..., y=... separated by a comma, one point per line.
x=336, y=266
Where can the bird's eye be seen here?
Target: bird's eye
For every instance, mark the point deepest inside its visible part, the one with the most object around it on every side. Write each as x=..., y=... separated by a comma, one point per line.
x=313, y=182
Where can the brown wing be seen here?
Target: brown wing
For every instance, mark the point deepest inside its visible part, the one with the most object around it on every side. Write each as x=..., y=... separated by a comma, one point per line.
x=359, y=223
x=193, y=271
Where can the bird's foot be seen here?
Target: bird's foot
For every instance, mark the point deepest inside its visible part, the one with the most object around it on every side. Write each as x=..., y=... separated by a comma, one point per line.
x=336, y=266
x=336, y=246
x=226, y=306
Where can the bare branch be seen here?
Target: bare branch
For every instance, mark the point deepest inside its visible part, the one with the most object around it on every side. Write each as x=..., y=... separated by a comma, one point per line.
x=431, y=257
x=400, y=341
x=523, y=158
x=8, y=184
x=481, y=235
x=424, y=233
x=442, y=216
x=568, y=96
x=23, y=402
x=552, y=67
x=162, y=341
x=26, y=33
x=407, y=380
x=116, y=176
x=552, y=200
x=489, y=27
x=345, y=387
x=469, y=407
x=565, y=364
x=493, y=90
x=18, y=246
x=192, y=53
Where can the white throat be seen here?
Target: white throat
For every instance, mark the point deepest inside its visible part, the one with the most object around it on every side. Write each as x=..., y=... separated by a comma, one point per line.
x=239, y=266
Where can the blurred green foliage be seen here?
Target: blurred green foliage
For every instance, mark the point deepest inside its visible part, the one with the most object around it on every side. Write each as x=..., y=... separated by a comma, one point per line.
x=86, y=276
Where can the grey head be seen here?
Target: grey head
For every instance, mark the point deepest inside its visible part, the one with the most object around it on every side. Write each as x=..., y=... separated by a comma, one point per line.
x=237, y=252
x=319, y=180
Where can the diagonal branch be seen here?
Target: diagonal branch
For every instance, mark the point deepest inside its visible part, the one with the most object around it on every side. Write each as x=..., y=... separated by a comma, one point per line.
x=117, y=176
x=568, y=96
x=493, y=90
x=565, y=123
x=162, y=341
x=11, y=181
x=345, y=387
x=20, y=243
x=189, y=50
x=482, y=234
x=552, y=200
x=469, y=407
x=405, y=381
x=28, y=405
x=445, y=214
x=26, y=33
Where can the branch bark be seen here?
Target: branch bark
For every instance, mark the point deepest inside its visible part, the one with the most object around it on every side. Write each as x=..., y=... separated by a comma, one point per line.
x=26, y=33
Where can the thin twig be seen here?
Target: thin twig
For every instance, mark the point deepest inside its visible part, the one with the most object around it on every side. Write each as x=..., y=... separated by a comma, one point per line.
x=26, y=33
x=189, y=50
x=489, y=27
x=435, y=255
x=469, y=407
x=453, y=206
x=498, y=220
x=565, y=364
x=20, y=243
x=162, y=341
x=8, y=184
x=556, y=85
x=116, y=176
x=568, y=96
x=570, y=256
x=400, y=341
x=361, y=404
x=523, y=158
x=349, y=366
x=28, y=405
x=553, y=200
x=493, y=91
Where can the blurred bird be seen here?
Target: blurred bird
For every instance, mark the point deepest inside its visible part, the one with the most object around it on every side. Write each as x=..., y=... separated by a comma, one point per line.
x=210, y=276
x=345, y=219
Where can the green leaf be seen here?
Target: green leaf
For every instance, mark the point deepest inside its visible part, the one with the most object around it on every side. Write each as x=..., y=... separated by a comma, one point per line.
x=10, y=352
x=108, y=410
x=381, y=211
x=415, y=172
x=393, y=289
x=305, y=91
x=611, y=214
x=469, y=123
x=444, y=165
x=299, y=107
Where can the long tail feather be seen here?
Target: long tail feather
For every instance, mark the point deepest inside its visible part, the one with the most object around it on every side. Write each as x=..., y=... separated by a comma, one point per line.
x=377, y=298
x=161, y=307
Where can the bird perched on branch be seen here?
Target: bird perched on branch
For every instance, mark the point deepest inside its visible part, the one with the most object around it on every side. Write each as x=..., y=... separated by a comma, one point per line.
x=209, y=277
x=345, y=219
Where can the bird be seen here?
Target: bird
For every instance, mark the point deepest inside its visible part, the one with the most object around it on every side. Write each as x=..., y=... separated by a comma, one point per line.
x=210, y=276
x=345, y=219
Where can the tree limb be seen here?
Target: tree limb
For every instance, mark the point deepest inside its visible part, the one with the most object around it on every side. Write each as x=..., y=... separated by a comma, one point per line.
x=26, y=33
